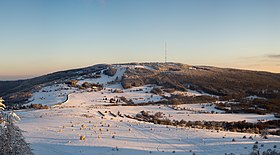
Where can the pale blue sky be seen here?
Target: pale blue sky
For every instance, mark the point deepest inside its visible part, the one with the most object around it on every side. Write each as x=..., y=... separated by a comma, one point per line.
x=42, y=36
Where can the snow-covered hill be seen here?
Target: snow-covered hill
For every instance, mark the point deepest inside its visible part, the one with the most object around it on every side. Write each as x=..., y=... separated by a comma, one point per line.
x=85, y=121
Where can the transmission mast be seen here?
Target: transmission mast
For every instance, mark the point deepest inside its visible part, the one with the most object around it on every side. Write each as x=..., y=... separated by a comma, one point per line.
x=165, y=52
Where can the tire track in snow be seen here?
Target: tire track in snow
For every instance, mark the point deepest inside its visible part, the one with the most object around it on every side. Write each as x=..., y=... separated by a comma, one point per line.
x=131, y=125
x=149, y=134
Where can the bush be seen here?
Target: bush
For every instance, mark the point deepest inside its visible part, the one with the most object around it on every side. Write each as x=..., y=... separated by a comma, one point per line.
x=72, y=83
x=82, y=138
x=158, y=115
x=86, y=85
x=156, y=90
x=110, y=71
x=39, y=106
x=267, y=152
x=122, y=98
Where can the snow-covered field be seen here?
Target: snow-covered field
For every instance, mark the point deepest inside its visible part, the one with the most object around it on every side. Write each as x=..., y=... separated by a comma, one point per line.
x=104, y=79
x=58, y=130
x=192, y=116
x=137, y=95
x=51, y=95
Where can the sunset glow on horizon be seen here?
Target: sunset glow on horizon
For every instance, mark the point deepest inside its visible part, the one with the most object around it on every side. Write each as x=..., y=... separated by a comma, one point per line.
x=39, y=37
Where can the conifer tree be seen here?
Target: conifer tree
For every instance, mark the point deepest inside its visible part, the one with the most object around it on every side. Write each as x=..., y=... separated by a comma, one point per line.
x=12, y=141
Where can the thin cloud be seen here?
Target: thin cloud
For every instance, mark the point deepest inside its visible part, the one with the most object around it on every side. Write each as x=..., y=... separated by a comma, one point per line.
x=275, y=56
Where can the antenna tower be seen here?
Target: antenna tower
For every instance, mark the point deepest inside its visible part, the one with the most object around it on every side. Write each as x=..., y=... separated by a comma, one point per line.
x=165, y=52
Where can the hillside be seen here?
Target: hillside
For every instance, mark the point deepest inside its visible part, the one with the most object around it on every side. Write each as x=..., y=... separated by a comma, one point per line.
x=151, y=108
x=217, y=81
x=18, y=92
x=227, y=84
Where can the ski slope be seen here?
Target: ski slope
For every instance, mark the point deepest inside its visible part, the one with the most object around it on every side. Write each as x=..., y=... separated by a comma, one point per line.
x=51, y=95
x=57, y=130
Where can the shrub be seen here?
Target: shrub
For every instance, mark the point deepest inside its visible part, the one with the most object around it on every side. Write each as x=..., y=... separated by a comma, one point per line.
x=156, y=90
x=82, y=138
x=110, y=71
x=267, y=152
x=122, y=98
x=39, y=106
x=72, y=83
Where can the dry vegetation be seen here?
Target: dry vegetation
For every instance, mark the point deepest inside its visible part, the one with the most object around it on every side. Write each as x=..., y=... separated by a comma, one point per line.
x=228, y=84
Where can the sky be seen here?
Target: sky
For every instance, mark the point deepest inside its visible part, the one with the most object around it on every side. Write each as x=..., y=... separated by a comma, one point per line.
x=43, y=36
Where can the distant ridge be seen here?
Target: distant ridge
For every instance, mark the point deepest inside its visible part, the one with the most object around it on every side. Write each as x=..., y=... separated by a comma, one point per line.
x=213, y=80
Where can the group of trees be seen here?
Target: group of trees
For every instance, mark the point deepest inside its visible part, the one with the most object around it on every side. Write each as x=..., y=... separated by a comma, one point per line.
x=12, y=141
x=240, y=126
x=83, y=86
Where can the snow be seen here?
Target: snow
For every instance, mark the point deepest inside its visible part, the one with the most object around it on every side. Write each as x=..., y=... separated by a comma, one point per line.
x=1, y=100
x=193, y=115
x=226, y=102
x=51, y=132
x=192, y=68
x=142, y=94
x=57, y=130
x=146, y=67
x=51, y=95
x=136, y=66
x=2, y=106
x=104, y=79
x=255, y=97
x=192, y=93
x=55, y=94
x=136, y=94
x=202, y=107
